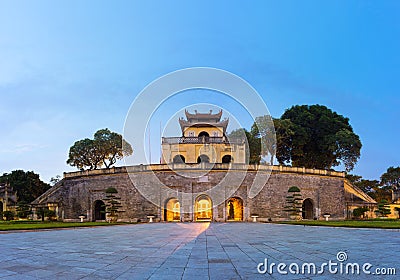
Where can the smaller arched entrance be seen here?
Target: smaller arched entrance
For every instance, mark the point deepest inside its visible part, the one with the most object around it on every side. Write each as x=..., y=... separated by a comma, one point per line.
x=203, y=158
x=172, y=210
x=204, y=134
x=203, y=208
x=1, y=208
x=99, y=210
x=227, y=159
x=308, y=209
x=178, y=159
x=234, y=209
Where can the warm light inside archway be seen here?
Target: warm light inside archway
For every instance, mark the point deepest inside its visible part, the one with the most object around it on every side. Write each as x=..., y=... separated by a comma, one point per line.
x=172, y=210
x=203, y=209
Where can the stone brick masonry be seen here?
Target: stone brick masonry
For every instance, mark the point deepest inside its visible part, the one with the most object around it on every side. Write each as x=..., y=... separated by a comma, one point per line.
x=78, y=192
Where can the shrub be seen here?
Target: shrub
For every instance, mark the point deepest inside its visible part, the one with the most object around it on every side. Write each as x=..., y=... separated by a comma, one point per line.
x=293, y=202
x=9, y=215
x=23, y=210
x=383, y=208
x=50, y=214
x=359, y=212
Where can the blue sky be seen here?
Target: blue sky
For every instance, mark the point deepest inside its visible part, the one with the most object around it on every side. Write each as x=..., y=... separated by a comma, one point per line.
x=69, y=68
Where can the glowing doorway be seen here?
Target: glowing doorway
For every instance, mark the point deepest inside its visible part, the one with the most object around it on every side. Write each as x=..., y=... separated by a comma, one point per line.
x=172, y=210
x=234, y=209
x=203, y=208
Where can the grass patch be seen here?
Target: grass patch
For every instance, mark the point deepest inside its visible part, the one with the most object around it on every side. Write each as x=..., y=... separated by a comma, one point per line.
x=32, y=225
x=376, y=223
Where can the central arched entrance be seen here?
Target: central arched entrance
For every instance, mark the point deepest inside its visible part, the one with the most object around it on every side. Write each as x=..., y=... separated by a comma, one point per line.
x=234, y=209
x=99, y=210
x=308, y=209
x=172, y=210
x=204, y=134
x=203, y=208
x=203, y=158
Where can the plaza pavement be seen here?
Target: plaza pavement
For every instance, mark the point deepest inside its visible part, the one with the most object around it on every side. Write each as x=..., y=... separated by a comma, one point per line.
x=190, y=251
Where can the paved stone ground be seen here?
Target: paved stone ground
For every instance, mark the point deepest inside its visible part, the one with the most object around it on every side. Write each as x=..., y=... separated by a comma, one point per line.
x=191, y=251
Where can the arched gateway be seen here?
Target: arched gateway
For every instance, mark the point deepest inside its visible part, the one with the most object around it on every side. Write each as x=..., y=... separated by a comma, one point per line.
x=172, y=210
x=234, y=209
x=99, y=210
x=308, y=209
x=203, y=208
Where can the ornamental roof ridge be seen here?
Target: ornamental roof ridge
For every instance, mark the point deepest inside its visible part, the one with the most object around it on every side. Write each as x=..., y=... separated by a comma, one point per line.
x=208, y=116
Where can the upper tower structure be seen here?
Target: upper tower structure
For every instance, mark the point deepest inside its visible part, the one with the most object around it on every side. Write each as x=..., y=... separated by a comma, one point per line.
x=210, y=124
x=203, y=140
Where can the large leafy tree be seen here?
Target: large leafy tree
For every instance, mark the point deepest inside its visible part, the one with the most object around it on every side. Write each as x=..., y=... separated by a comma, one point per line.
x=85, y=153
x=26, y=184
x=253, y=148
x=285, y=131
x=321, y=138
x=391, y=178
x=105, y=149
x=112, y=146
x=263, y=130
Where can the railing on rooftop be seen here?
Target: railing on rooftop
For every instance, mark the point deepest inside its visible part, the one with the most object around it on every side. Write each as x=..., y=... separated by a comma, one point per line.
x=203, y=140
x=206, y=166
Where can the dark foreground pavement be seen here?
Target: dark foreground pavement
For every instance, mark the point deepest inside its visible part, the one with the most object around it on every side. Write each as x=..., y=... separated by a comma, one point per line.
x=200, y=251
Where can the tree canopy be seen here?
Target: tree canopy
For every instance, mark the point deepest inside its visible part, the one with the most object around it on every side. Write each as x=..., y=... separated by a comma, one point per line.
x=314, y=136
x=371, y=187
x=253, y=145
x=284, y=130
x=26, y=184
x=391, y=178
x=104, y=150
x=263, y=130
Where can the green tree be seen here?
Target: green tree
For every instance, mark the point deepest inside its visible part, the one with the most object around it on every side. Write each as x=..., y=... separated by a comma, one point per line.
x=44, y=212
x=391, y=178
x=285, y=131
x=26, y=184
x=105, y=149
x=253, y=145
x=85, y=153
x=293, y=202
x=8, y=215
x=23, y=210
x=383, y=208
x=371, y=187
x=263, y=131
x=113, y=204
x=55, y=180
x=359, y=212
x=112, y=146
x=322, y=138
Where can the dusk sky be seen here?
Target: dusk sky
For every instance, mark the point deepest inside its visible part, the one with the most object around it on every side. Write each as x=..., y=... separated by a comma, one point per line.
x=69, y=68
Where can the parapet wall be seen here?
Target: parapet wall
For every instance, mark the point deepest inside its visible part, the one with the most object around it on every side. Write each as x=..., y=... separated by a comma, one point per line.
x=207, y=166
x=78, y=192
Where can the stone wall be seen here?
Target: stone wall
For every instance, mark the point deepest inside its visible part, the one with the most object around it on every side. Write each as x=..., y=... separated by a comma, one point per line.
x=77, y=192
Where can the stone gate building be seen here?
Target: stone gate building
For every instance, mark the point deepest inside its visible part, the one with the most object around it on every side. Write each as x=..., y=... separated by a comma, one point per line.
x=189, y=184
